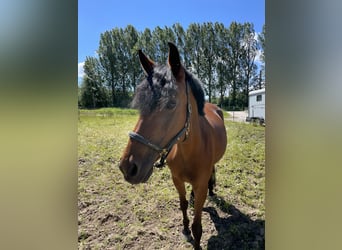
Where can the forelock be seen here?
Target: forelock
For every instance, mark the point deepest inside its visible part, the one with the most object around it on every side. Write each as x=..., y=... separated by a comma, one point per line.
x=155, y=90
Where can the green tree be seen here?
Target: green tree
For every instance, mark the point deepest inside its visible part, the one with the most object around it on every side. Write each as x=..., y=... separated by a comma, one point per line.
x=223, y=53
x=160, y=37
x=223, y=58
x=132, y=37
x=108, y=62
x=262, y=47
x=234, y=61
x=208, y=61
x=122, y=56
x=145, y=42
x=248, y=66
x=179, y=34
x=261, y=39
x=116, y=53
x=193, y=43
x=93, y=94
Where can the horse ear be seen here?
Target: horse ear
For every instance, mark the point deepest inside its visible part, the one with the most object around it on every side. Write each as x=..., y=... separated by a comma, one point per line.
x=174, y=59
x=146, y=63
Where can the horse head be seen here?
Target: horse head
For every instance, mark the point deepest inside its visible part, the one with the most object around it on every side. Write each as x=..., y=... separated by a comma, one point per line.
x=163, y=101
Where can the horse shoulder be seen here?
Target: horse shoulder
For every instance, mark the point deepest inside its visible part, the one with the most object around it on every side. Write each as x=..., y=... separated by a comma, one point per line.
x=215, y=118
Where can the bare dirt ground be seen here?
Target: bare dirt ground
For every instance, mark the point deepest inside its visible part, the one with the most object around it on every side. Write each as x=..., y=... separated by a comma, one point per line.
x=116, y=215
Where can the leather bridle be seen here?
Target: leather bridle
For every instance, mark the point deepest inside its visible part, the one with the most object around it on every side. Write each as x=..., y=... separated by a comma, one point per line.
x=164, y=151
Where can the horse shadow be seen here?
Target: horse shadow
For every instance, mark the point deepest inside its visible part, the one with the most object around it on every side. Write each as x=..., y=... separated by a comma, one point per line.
x=236, y=230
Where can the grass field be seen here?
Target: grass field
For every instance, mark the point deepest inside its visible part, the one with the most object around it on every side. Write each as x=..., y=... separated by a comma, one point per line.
x=116, y=215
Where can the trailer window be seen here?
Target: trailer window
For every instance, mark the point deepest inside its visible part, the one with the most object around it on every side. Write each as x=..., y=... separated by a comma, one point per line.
x=259, y=98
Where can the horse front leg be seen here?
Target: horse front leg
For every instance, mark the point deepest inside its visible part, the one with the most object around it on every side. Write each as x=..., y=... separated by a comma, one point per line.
x=212, y=182
x=183, y=206
x=211, y=186
x=200, y=196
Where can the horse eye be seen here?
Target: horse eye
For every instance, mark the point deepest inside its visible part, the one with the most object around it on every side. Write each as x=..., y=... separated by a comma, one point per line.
x=163, y=82
x=171, y=104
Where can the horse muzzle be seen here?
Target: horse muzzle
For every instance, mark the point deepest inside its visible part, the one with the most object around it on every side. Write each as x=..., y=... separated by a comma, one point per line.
x=133, y=172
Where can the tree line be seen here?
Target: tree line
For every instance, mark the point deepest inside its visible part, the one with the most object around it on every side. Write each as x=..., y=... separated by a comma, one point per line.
x=223, y=58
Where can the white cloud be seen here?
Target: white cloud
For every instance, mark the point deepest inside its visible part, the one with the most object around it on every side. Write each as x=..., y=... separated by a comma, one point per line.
x=259, y=52
x=258, y=57
x=256, y=34
x=80, y=70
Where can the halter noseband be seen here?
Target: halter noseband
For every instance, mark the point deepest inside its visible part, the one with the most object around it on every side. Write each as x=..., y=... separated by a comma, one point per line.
x=164, y=152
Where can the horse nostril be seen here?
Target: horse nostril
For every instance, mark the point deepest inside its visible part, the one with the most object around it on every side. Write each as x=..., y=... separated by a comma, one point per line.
x=132, y=167
x=134, y=170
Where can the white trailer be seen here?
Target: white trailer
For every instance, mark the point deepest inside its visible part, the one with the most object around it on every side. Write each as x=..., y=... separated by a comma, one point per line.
x=256, y=106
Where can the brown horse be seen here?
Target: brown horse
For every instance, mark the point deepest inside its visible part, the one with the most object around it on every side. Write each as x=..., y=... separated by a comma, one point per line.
x=175, y=125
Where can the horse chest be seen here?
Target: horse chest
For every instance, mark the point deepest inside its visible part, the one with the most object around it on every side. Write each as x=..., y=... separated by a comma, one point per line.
x=189, y=169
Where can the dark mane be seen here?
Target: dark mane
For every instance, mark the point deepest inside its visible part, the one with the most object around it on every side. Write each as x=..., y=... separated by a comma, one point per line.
x=159, y=88
x=197, y=91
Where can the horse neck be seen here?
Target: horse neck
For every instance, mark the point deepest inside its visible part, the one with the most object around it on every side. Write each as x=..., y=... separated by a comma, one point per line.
x=194, y=132
x=187, y=147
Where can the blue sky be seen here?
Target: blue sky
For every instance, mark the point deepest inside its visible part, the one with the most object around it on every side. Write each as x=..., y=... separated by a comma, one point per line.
x=96, y=17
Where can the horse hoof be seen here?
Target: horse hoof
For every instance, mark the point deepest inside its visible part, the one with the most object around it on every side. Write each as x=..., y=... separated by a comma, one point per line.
x=211, y=193
x=187, y=235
